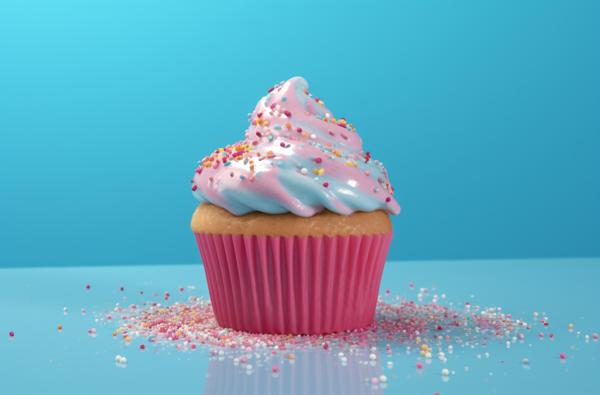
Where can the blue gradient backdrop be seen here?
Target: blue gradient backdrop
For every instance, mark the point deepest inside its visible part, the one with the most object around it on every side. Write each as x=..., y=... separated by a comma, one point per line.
x=487, y=115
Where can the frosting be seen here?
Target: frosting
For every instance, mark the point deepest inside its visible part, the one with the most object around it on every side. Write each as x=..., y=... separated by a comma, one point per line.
x=296, y=157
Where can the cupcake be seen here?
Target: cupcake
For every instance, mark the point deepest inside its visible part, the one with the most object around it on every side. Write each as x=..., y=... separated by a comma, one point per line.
x=293, y=225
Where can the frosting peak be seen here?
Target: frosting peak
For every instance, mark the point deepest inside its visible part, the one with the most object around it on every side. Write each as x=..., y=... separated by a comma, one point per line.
x=296, y=157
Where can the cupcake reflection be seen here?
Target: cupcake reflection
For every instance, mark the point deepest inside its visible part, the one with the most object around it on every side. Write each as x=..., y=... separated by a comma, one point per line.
x=315, y=371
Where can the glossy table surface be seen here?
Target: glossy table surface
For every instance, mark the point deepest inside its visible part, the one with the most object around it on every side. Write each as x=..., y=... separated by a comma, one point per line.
x=40, y=359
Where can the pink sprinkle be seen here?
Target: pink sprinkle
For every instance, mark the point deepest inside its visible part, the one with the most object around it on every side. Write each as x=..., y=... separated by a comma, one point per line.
x=318, y=160
x=142, y=347
x=194, y=187
x=122, y=289
x=287, y=114
x=87, y=286
x=275, y=369
x=325, y=346
x=167, y=295
x=388, y=199
x=325, y=184
x=299, y=130
x=563, y=356
x=595, y=336
x=419, y=365
x=11, y=334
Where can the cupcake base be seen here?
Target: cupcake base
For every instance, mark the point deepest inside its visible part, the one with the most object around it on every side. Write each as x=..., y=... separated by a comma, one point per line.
x=293, y=284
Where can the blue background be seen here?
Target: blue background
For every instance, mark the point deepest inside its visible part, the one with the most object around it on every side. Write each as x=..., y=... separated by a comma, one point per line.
x=487, y=115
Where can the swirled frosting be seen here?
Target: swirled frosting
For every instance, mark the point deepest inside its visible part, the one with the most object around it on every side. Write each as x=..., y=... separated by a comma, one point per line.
x=296, y=157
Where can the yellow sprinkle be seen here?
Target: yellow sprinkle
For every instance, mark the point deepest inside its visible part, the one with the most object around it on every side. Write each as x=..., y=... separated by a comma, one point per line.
x=337, y=153
x=59, y=327
x=320, y=171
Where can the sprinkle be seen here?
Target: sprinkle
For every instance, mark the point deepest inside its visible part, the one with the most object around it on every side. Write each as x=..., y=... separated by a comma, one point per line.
x=287, y=114
x=194, y=187
x=11, y=334
x=304, y=171
x=325, y=184
x=419, y=365
x=445, y=372
x=319, y=172
x=59, y=327
x=318, y=160
x=275, y=369
x=299, y=130
x=87, y=286
x=388, y=199
x=142, y=347
x=562, y=356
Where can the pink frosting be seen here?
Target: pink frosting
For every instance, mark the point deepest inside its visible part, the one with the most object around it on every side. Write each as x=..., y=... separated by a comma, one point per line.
x=296, y=157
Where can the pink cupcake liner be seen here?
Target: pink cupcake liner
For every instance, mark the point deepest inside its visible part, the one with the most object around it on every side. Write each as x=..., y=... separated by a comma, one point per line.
x=293, y=285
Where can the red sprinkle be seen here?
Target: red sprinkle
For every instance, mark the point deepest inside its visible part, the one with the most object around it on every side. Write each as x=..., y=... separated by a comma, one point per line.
x=142, y=347
x=318, y=160
x=194, y=187
x=287, y=114
x=388, y=199
x=87, y=286
x=563, y=356
x=11, y=334
x=299, y=130
x=325, y=184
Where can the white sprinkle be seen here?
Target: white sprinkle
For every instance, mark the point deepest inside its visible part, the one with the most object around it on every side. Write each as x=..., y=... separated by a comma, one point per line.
x=445, y=372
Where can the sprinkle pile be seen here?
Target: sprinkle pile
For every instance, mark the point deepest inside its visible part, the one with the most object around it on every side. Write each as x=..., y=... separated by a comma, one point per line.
x=418, y=324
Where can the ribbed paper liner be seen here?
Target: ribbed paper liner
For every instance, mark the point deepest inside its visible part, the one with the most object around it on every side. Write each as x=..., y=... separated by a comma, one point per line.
x=293, y=285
